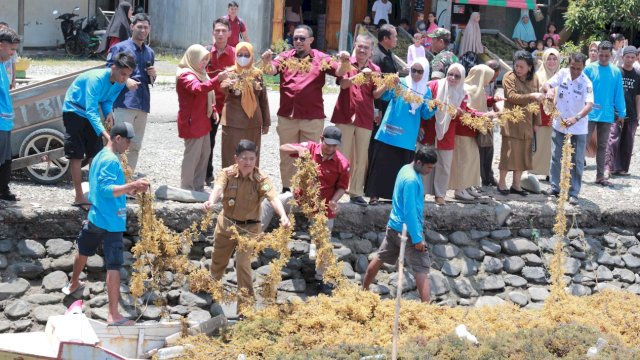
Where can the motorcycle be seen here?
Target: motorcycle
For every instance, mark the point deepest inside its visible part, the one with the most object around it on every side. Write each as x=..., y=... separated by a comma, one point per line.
x=80, y=37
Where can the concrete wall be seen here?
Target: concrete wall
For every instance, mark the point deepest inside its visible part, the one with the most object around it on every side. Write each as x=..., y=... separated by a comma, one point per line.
x=41, y=29
x=179, y=24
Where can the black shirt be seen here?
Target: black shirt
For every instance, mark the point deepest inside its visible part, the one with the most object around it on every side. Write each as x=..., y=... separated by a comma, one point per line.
x=384, y=59
x=631, y=86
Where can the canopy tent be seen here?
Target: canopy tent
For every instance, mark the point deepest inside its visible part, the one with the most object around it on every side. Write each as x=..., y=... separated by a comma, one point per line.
x=520, y=4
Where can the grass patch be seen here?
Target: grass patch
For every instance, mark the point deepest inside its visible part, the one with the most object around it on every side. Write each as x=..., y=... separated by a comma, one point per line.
x=62, y=61
x=171, y=58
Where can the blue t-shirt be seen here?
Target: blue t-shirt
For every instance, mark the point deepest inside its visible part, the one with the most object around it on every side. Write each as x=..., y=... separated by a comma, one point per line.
x=6, y=106
x=107, y=212
x=608, y=93
x=88, y=92
x=399, y=126
x=139, y=99
x=407, y=203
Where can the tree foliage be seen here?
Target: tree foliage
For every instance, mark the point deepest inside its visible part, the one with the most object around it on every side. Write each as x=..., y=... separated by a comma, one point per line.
x=593, y=18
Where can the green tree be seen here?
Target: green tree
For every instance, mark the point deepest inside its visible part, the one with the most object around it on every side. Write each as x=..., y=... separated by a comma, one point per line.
x=592, y=18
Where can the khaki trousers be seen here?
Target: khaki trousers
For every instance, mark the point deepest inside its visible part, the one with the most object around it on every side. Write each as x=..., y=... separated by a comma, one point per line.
x=295, y=131
x=194, y=163
x=355, y=147
x=138, y=119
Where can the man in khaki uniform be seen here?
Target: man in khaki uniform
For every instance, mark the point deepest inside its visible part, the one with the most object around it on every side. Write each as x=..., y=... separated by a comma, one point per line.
x=242, y=187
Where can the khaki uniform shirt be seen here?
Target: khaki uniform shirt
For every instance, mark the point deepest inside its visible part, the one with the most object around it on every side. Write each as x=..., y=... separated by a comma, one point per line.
x=517, y=93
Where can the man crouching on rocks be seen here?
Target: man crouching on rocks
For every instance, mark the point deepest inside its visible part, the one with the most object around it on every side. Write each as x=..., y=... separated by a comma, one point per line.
x=406, y=208
x=107, y=218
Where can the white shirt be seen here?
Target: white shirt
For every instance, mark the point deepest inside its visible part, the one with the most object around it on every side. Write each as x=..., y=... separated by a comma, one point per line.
x=382, y=11
x=414, y=52
x=571, y=97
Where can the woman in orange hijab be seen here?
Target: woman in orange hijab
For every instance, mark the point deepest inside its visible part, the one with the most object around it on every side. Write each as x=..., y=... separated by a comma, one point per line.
x=246, y=109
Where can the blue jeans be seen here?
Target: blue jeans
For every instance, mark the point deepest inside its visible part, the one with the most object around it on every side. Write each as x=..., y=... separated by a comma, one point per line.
x=579, y=143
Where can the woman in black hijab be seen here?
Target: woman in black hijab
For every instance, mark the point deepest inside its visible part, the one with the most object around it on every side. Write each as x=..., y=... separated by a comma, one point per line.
x=119, y=27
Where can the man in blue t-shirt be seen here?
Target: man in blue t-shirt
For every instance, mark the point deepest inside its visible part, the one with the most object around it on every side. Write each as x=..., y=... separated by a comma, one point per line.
x=107, y=218
x=9, y=41
x=406, y=208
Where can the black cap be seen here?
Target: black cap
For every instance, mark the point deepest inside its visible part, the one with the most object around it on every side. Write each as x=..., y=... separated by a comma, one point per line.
x=123, y=129
x=332, y=135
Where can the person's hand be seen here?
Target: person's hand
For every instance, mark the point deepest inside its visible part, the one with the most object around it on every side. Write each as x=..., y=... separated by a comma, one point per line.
x=151, y=71
x=207, y=205
x=105, y=134
x=12, y=85
x=377, y=118
x=265, y=130
x=109, y=120
x=344, y=56
x=215, y=116
x=346, y=82
x=333, y=206
x=132, y=85
x=267, y=56
x=228, y=83
x=620, y=121
x=570, y=121
x=284, y=222
x=498, y=98
x=550, y=94
x=302, y=151
x=141, y=185
x=421, y=246
x=539, y=97
x=367, y=72
x=223, y=75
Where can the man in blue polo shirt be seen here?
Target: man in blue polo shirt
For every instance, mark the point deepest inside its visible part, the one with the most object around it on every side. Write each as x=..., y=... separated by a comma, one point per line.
x=9, y=41
x=107, y=218
x=90, y=92
x=406, y=208
x=133, y=103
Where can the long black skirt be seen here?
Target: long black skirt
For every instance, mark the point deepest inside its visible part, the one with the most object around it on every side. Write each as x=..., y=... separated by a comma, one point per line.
x=386, y=162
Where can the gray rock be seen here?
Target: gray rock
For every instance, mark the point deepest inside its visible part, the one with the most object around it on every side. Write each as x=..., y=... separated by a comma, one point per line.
x=17, y=309
x=435, y=237
x=610, y=240
x=622, y=231
x=502, y=212
x=44, y=299
x=604, y=258
x=361, y=264
x=546, y=244
x=538, y=293
x=54, y=281
x=584, y=279
x=530, y=183
x=5, y=326
x=347, y=270
x=571, y=266
x=166, y=192
x=42, y=313
x=604, y=274
x=293, y=285
x=575, y=233
x=519, y=246
x=518, y=298
x=513, y=264
x=173, y=296
x=298, y=247
x=532, y=260
x=469, y=267
x=473, y=253
x=294, y=264
x=446, y=251
x=57, y=247
x=492, y=265
x=526, y=233
x=492, y=282
x=501, y=234
x=379, y=289
x=534, y=306
x=64, y=263
x=97, y=287
x=216, y=309
x=21, y=325
x=628, y=241
x=3, y=262
x=489, y=301
x=631, y=262
x=95, y=263
x=579, y=255
x=26, y=270
x=634, y=250
x=490, y=247
x=450, y=269
x=478, y=235
x=579, y=290
x=266, y=269
x=194, y=300
x=345, y=235
x=183, y=310
x=371, y=236
x=13, y=288
x=342, y=253
x=515, y=280
x=464, y=288
x=460, y=238
x=5, y=246
x=31, y=249
x=624, y=275
x=199, y=315
x=438, y=284
x=363, y=247
x=534, y=274
x=600, y=287
x=578, y=245
x=151, y=312
x=408, y=282
x=634, y=289
x=98, y=301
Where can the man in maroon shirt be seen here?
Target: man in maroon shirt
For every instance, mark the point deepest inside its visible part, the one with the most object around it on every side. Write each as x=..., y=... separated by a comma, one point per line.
x=222, y=56
x=353, y=115
x=301, y=114
x=237, y=26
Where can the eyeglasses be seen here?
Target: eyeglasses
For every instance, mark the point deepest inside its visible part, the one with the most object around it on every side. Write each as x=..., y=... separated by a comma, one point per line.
x=299, y=38
x=455, y=76
x=417, y=71
x=243, y=56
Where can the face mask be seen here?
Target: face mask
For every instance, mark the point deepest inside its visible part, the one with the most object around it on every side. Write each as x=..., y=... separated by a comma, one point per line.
x=242, y=61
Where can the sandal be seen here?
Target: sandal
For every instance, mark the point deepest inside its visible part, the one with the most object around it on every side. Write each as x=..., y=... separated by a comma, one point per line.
x=122, y=322
x=374, y=201
x=503, y=191
x=521, y=192
x=67, y=288
x=604, y=182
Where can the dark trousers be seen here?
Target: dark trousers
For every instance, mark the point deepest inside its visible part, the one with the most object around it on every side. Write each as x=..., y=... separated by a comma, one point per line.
x=620, y=147
x=486, y=160
x=5, y=175
x=212, y=137
x=602, y=130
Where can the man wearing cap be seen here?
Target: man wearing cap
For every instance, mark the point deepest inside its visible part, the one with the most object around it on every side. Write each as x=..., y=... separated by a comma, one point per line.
x=620, y=146
x=439, y=57
x=107, y=217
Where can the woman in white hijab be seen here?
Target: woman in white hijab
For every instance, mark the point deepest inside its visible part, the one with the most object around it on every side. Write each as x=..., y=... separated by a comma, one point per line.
x=471, y=38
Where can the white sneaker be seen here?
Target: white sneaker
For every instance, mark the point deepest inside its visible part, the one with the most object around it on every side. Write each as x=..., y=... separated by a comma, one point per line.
x=463, y=195
x=473, y=192
x=312, y=251
x=573, y=200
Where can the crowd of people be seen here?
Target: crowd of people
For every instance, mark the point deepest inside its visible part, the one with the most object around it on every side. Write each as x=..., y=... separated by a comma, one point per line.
x=384, y=145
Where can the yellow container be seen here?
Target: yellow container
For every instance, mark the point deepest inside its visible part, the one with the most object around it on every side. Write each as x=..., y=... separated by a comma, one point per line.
x=23, y=64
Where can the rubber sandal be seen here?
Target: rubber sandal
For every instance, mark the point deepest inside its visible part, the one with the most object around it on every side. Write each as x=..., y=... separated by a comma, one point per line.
x=374, y=202
x=604, y=183
x=503, y=191
x=512, y=190
x=67, y=288
x=122, y=322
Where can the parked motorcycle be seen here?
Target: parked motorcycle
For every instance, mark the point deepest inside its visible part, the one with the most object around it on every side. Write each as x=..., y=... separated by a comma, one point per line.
x=80, y=37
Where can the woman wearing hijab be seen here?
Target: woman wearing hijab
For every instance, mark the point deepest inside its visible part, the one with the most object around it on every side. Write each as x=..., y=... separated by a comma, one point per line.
x=119, y=29
x=471, y=39
x=541, y=159
x=246, y=109
x=520, y=89
x=465, y=166
x=195, y=102
x=395, y=141
x=523, y=32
